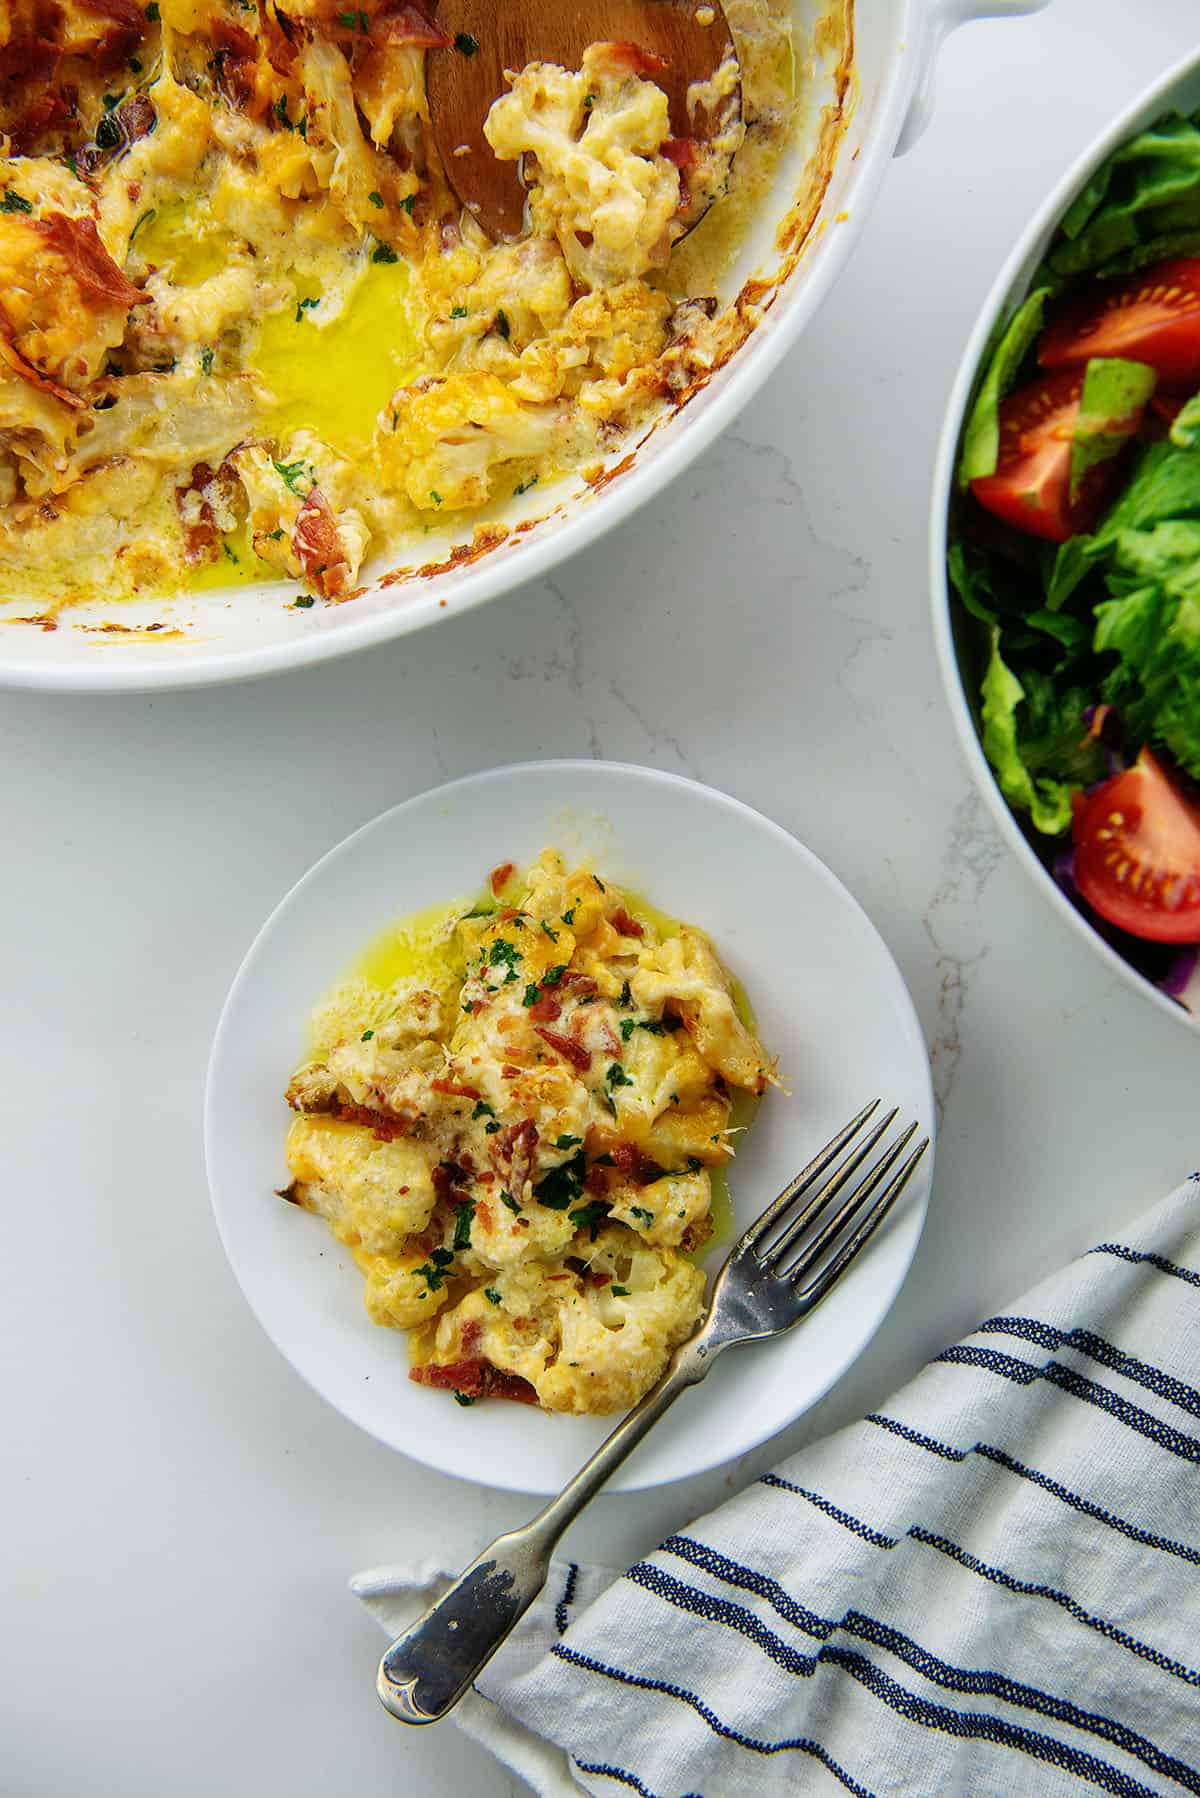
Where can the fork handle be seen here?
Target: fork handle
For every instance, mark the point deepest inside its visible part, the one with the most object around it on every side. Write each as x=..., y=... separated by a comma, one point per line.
x=427, y=1669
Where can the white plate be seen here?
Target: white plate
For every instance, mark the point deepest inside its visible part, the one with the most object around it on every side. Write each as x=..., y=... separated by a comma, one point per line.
x=830, y=1004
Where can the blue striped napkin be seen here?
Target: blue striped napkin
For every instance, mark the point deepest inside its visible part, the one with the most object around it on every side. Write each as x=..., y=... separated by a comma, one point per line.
x=990, y=1586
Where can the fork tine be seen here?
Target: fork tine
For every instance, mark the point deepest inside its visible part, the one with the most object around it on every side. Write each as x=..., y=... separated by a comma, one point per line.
x=828, y=1276
x=773, y=1256
x=829, y=1233
x=753, y=1236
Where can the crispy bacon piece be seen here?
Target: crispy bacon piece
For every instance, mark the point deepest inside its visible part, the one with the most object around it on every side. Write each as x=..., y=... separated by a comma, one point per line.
x=443, y=1183
x=545, y=1010
x=582, y=985
x=624, y=925
x=679, y=150
x=136, y=117
x=567, y=1047
x=125, y=29
x=88, y=262
x=404, y=22
x=635, y=1167
x=318, y=548
x=475, y=1378
x=499, y=879
x=625, y=58
x=47, y=113
x=456, y=1088
x=380, y=1123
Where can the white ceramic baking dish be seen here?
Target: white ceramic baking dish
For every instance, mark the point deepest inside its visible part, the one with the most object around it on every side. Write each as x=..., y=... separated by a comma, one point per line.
x=862, y=110
x=1179, y=90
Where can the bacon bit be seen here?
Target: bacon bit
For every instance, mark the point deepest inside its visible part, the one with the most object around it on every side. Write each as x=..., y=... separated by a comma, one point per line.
x=595, y=1278
x=571, y=1051
x=236, y=61
x=443, y=1185
x=483, y=1212
x=402, y=1190
x=558, y=1276
x=472, y=1333
x=545, y=1010
x=475, y=1379
x=478, y=1005
x=385, y=1128
x=89, y=263
x=318, y=547
x=624, y=924
x=581, y=984
x=486, y=1178
x=679, y=150
x=508, y=1072
x=410, y=24
x=457, y=1088
x=522, y=1136
x=281, y=51
x=499, y=879
x=634, y=1166
x=137, y=118
x=596, y=1181
x=47, y=113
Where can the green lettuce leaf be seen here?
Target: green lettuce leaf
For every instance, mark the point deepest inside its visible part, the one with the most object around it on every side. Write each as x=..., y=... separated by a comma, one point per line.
x=1036, y=739
x=1155, y=633
x=1141, y=204
x=981, y=439
x=1185, y=427
x=1110, y=411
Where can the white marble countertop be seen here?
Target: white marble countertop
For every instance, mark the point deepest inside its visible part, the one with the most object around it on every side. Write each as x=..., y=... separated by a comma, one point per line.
x=180, y=1512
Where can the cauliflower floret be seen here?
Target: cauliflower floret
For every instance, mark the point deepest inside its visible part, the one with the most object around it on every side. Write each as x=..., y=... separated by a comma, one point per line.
x=402, y=1291
x=665, y=1210
x=64, y=303
x=601, y=185
x=685, y=971
x=370, y=1193
x=301, y=520
x=590, y=1333
x=442, y=440
x=396, y=1082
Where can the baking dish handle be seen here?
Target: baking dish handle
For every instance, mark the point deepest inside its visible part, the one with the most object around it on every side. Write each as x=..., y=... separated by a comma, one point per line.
x=937, y=19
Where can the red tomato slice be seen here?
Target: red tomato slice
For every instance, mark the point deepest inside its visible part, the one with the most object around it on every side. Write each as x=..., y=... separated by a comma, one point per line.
x=1137, y=853
x=1152, y=316
x=1031, y=487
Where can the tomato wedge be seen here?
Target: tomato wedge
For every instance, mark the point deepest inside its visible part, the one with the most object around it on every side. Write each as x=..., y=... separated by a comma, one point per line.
x=1152, y=316
x=1137, y=853
x=1031, y=487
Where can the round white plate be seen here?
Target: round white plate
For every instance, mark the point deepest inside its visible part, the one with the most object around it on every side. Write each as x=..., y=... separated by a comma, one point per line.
x=830, y=1004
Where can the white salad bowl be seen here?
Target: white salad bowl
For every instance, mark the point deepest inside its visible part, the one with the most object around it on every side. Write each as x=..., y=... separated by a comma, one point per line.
x=228, y=634
x=1178, y=89
x=830, y=1004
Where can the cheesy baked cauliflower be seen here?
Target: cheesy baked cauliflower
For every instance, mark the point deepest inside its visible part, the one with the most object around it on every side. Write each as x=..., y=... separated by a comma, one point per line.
x=517, y=1145
x=248, y=332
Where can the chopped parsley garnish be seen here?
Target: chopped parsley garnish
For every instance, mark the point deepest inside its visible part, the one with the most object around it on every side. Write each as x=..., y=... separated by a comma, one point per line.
x=523, y=487
x=616, y=1075
x=111, y=100
x=502, y=324
x=206, y=362
x=590, y=1216
x=441, y=1257
x=504, y=954
x=506, y=1198
x=589, y=100
x=532, y=992
x=626, y=997
x=647, y=1217
x=305, y=306
x=14, y=202
x=135, y=67
x=568, y=917
x=462, y=1224
x=230, y=555
x=276, y=535
x=458, y=312
x=599, y=883
x=562, y=1185
x=463, y=1398
x=406, y=205
x=281, y=112
x=552, y=934
x=144, y=219
x=483, y=1110
x=491, y=1129
x=383, y=252
x=302, y=602
x=291, y=473
x=435, y=496
x=375, y=199
x=650, y=1025
x=366, y=1036
x=694, y=1164
x=432, y=1276
x=627, y=1027
x=465, y=44
x=152, y=12
x=492, y=1296
x=568, y=1142
x=354, y=21
x=619, y=1292
x=610, y=1102
x=481, y=911
x=552, y=976
x=108, y=133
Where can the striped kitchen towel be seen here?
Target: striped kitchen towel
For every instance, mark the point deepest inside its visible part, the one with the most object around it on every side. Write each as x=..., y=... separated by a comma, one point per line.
x=991, y=1585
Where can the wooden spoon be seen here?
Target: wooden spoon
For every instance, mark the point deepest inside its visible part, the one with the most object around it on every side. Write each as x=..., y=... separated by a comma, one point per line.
x=691, y=36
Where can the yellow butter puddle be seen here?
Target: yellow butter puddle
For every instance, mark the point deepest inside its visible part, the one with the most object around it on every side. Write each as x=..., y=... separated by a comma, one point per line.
x=424, y=946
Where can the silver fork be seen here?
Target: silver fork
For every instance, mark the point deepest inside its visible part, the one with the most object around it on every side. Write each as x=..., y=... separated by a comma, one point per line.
x=775, y=1274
